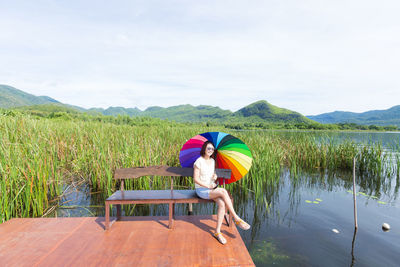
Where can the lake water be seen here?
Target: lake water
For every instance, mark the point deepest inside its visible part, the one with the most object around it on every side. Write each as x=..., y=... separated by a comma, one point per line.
x=297, y=231
x=292, y=224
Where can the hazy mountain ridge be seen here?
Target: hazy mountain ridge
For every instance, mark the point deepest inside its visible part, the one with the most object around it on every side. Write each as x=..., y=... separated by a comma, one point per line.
x=11, y=97
x=257, y=112
x=389, y=116
x=187, y=112
x=114, y=111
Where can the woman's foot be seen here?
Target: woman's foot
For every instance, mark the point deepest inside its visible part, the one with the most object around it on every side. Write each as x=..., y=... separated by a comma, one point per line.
x=242, y=224
x=220, y=238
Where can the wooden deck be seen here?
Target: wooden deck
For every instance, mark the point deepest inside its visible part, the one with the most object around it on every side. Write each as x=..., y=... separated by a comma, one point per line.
x=133, y=241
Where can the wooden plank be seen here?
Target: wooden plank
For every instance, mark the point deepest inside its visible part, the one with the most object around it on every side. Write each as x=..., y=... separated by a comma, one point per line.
x=140, y=241
x=141, y=201
x=136, y=172
x=152, y=170
x=156, y=197
x=107, y=216
x=141, y=194
x=162, y=201
x=153, y=195
x=223, y=173
x=23, y=246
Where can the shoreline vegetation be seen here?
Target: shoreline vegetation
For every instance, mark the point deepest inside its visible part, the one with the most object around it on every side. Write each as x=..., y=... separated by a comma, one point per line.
x=63, y=113
x=42, y=154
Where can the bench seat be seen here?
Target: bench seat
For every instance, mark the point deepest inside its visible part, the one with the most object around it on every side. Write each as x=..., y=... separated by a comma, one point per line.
x=152, y=197
x=175, y=196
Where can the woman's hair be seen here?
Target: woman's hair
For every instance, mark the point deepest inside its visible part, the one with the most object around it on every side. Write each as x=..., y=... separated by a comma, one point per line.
x=203, y=149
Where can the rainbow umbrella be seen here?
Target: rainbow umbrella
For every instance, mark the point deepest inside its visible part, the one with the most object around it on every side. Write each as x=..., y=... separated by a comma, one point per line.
x=232, y=153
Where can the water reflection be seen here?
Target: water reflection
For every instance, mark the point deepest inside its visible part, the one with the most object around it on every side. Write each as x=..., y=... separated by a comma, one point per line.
x=390, y=140
x=308, y=225
x=353, y=258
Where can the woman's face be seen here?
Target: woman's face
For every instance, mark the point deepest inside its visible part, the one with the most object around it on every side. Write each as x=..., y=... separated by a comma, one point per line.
x=209, y=149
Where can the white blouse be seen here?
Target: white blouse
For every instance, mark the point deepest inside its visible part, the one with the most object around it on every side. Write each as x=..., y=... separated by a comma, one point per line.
x=207, y=171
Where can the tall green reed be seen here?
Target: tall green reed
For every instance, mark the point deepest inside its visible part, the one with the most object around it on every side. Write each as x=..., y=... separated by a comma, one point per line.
x=39, y=156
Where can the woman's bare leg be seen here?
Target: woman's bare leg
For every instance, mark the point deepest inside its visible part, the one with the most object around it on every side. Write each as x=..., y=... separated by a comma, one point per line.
x=220, y=214
x=222, y=193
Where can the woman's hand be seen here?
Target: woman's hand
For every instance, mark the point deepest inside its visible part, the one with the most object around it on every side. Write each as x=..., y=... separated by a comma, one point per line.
x=215, y=177
x=212, y=186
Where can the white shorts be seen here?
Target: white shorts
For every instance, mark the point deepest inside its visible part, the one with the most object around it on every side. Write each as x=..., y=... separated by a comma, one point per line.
x=203, y=192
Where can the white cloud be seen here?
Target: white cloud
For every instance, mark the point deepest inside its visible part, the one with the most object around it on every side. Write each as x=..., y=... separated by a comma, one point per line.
x=308, y=56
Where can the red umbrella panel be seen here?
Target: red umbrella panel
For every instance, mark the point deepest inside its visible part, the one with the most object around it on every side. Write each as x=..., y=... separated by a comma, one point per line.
x=232, y=153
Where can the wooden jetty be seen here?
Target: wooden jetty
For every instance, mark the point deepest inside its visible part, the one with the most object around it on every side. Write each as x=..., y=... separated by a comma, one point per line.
x=132, y=241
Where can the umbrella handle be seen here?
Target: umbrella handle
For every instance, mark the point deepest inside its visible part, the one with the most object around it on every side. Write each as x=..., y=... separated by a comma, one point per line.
x=223, y=182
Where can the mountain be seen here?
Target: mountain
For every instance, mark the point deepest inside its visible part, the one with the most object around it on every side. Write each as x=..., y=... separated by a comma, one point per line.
x=389, y=116
x=182, y=113
x=114, y=111
x=258, y=112
x=50, y=107
x=267, y=112
x=11, y=97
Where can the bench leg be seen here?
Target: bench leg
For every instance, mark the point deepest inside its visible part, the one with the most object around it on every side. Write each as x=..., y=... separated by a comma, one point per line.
x=230, y=215
x=190, y=212
x=118, y=211
x=171, y=220
x=107, y=222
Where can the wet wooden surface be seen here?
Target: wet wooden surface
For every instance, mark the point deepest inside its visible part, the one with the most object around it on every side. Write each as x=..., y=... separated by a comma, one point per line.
x=133, y=241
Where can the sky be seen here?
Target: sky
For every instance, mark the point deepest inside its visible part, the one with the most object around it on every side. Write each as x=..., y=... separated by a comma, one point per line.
x=309, y=56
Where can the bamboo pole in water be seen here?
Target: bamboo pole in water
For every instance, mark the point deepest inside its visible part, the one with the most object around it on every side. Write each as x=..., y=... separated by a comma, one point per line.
x=354, y=194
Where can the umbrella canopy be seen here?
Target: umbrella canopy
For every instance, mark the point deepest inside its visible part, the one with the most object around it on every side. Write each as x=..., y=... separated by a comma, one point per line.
x=232, y=153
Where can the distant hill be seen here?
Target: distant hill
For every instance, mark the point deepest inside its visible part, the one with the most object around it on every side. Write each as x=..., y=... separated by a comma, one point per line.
x=182, y=113
x=11, y=97
x=267, y=112
x=114, y=111
x=48, y=108
x=258, y=112
x=389, y=116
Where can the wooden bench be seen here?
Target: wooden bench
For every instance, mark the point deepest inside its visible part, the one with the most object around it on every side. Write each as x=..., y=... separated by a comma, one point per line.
x=171, y=197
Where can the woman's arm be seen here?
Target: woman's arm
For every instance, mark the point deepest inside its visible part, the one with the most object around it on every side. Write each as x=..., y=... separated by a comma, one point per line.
x=196, y=175
x=215, y=177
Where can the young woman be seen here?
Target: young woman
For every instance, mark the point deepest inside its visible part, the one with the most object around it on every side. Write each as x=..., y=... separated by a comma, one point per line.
x=204, y=177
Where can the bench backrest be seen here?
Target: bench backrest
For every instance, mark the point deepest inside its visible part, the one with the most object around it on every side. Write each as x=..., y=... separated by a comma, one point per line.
x=137, y=172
